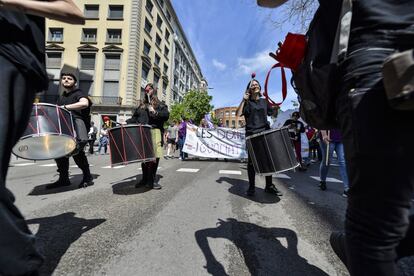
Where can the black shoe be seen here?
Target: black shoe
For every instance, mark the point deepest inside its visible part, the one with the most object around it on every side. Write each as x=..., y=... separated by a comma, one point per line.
x=345, y=193
x=322, y=185
x=86, y=181
x=273, y=190
x=61, y=182
x=337, y=241
x=154, y=186
x=250, y=192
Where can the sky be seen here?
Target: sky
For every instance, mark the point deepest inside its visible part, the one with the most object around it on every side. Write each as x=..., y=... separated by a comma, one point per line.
x=231, y=39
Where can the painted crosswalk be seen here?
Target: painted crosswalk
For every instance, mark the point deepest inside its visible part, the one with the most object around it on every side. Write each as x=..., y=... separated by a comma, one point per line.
x=24, y=164
x=189, y=170
x=328, y=179
x=282, y=176
x=230, y=172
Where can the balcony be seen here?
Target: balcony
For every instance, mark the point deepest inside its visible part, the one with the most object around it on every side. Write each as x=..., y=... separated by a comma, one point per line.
x=103, y=100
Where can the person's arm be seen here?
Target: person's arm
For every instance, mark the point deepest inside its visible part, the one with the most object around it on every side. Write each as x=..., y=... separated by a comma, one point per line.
x=81, y=104
x=241, y=110
x=162, y=113
x=61, y=10
x=325, y=135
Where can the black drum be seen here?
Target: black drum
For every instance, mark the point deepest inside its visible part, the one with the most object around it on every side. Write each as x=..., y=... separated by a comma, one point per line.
x=130, y=143
x=271, y=151
x=50, y=134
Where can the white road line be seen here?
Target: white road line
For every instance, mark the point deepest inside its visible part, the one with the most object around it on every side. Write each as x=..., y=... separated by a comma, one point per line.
x=75, y=166
x=48, y=165
x=24, y=164
x=106, y=167
x=188, y=170
x=328, y=179
x=119, y=167
x=281, y=175
x=230, y=172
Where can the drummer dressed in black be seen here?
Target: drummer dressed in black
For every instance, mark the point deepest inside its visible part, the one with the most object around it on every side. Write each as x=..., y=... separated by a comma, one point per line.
x=155, y=113
x=255, y=111
x=78, y=103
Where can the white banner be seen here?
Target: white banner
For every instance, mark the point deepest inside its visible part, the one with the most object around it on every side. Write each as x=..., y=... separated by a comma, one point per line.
x=215, y=142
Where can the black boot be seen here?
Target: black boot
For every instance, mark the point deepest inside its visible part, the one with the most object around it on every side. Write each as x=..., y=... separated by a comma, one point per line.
x=87, y=178
x=61, y=182
x=322, y=185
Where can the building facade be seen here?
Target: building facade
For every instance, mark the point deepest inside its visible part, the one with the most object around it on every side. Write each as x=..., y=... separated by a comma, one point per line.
x=229, y=118
x=122, y=46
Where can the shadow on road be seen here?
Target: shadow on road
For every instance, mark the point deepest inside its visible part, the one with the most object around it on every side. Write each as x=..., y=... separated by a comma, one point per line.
x=56, y=234
x=74, y=179
x=127, y=186
x=239, y=187
x=262, y=251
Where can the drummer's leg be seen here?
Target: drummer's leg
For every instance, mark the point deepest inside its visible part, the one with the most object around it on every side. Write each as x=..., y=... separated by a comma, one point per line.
x=17, y=252
x=251, y=174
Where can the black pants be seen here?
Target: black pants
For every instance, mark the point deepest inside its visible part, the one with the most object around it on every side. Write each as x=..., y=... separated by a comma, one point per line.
x=379, y=154
x=91, y=143
x=17, y=251
x=80, y=160
x=252, y=175
x=149, y=171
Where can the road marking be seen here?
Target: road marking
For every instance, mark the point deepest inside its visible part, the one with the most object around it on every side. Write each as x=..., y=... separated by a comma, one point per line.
x=328, y=179
x=23, y=164
x=188, y=170
x=281, y=175
x=230, y=172
x=106, y=167
x=75, y=166
x=48, y=165
x=119, y=167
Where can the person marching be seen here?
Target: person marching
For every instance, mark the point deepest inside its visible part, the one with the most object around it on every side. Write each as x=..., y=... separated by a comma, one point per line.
x=255, y=111
x=296, y=128
x=153, y=112
x=23, y=73
x=93, y=131
x=78, y=103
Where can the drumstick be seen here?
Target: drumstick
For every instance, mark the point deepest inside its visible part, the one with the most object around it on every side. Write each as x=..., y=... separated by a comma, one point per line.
x=327, y=150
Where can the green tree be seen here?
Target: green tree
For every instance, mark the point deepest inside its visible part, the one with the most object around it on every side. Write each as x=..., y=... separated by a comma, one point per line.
x=196, y=105
x=176, y=112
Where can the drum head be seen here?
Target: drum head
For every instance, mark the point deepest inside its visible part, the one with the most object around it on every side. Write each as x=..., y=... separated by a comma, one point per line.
x=44, y=147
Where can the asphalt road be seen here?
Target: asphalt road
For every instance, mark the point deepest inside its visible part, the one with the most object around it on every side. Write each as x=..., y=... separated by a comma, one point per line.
x=200, y=223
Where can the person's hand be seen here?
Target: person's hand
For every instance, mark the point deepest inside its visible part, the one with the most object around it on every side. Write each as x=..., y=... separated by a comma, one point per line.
x=246, y=96
x=151, y=109
x=326, y=139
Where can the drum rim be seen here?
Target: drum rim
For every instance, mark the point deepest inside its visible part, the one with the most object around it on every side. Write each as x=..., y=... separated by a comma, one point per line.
x=129, y=126
x=45, y=134
x=265, y=132
x=133, y=161
x=53, y=106
x=271, y=173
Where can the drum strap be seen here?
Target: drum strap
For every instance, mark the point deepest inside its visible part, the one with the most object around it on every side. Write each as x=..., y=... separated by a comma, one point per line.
x=284, y=85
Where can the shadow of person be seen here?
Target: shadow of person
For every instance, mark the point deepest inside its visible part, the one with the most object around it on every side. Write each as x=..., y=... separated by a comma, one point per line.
x=239, y=187
x=75, y=180
x=262, y=251
x=127, y=186
x=57, y=233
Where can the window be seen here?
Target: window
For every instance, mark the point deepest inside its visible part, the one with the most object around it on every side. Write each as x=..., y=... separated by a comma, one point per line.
x=91, y=11
x=161, y=3
x=87, y=61
x=145, y=72
x=149, y=5
x=168, y=16
x=164, y=90
x=167, y=35
x=53, y=60
x=159, y=22
x=233, y=124
x=56, y=34
x=147, y=48
x=166, y=51
x=110, y=88
x=227, y=123
x=158, y=40
x=114, y=36
x=227, y=113
x=148, y=26
x=116, y=12
x=112, y=62
x=165, y=69
x=156, y=80
x=233, y=113
x=89, y=35
x=157, y=59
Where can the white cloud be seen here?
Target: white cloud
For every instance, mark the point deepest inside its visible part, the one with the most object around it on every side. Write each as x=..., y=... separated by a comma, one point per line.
x=260, y=62
x=219, y=65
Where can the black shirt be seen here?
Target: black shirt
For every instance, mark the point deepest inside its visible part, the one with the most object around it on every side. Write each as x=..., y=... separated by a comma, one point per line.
x=73, y=97
x=295, y=128
x=158, y=119
x=22, y=42
x=255, y=113
x=140, y=116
